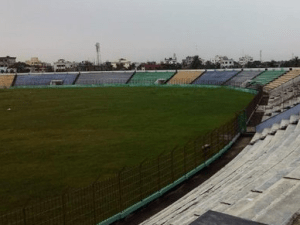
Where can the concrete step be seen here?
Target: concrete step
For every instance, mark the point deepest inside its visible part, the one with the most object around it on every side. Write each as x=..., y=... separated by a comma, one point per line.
x=240, y=201
x=284, y=124
x=284, y=207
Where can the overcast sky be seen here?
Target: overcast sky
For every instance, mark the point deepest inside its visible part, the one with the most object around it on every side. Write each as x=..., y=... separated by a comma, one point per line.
x=141, y=30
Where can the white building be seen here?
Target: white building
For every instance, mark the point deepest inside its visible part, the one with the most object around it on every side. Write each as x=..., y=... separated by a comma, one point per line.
x=245, y=59
x=171, y=60
x=224, y=61
x=63, y=65
x=122, y=61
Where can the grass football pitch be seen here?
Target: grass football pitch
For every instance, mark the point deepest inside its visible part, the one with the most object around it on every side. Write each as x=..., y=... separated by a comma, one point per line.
x=53, y=139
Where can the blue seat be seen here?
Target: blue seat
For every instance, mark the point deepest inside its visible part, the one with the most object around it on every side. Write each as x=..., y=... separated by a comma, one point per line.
x=114, y=77
x=215, y=77
x=242, y=77
x=44, y=79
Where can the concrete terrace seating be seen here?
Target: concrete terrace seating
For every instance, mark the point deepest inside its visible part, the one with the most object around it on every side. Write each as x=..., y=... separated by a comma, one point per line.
x=282, y=98
x=261, y=184
x=267, y=77
x=6, y=80
x=242, y=77
x=113, y=77
x=283, y=79
x=185, y=76
x=215, y=77
x=150, y=77
x=292, y=85
x=44, y=79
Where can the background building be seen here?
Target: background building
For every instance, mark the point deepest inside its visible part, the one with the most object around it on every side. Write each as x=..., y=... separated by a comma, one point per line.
x=62, y=65
x=171, y=60
x=224, y=61
x=122, y=62
x=245, y=59
x=7, y=61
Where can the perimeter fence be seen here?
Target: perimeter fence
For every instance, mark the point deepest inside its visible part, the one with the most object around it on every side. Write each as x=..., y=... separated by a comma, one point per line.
x=104, y=199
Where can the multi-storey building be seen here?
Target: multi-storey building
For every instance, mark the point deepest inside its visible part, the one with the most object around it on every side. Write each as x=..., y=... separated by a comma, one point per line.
x=245, y=59
x=224, y=61
x=62, y=65
x=7, y=61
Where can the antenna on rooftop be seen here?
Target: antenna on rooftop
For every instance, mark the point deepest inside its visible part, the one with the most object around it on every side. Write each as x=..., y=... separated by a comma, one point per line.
x=98, y=53
x=260, y=55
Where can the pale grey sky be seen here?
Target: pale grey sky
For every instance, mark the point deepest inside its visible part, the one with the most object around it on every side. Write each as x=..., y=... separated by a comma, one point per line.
x=143, y=30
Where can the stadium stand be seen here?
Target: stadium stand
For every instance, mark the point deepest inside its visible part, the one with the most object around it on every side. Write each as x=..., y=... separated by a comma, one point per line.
x=6, y=80
x=215, y=77
x=185, y=76
x=282, y=98
x=150, y=77
x=283, y=79
x=44, y=79
x=267, y=76
x=242, y=77
x=261, y=184
x=105, y=77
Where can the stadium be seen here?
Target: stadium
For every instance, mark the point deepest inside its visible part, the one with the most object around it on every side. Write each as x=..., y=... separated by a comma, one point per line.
x=97, y=147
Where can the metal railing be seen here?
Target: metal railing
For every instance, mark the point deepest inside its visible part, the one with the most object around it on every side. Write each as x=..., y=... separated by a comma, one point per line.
x=103, y=199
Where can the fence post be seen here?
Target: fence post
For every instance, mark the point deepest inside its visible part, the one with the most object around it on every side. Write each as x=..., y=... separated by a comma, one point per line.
x=172, y=165
x=204, y=147
x=158, y=173
x=120, y=189
x=141, y=182
x=184, y=158
x=211, y=141
x=195, y=153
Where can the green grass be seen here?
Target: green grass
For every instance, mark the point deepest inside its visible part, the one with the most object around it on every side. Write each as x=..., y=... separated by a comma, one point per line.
x=52, y=139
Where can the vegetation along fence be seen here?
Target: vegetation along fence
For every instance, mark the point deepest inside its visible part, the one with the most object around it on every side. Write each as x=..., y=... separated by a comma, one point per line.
x=104, y=200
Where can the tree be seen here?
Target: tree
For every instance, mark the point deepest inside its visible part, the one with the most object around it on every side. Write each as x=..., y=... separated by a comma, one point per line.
x=196, y=63
x=21, y=67
x=132, y=66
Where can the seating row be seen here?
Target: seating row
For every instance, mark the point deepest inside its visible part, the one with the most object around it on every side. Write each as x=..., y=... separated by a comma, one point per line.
x=267, y=77
x=6, y=80
x=215, y=77
x=185, y=76
x=242, y=77
x=44, y=79
x=104, y=77
x=150, y=77
x=283, y=79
